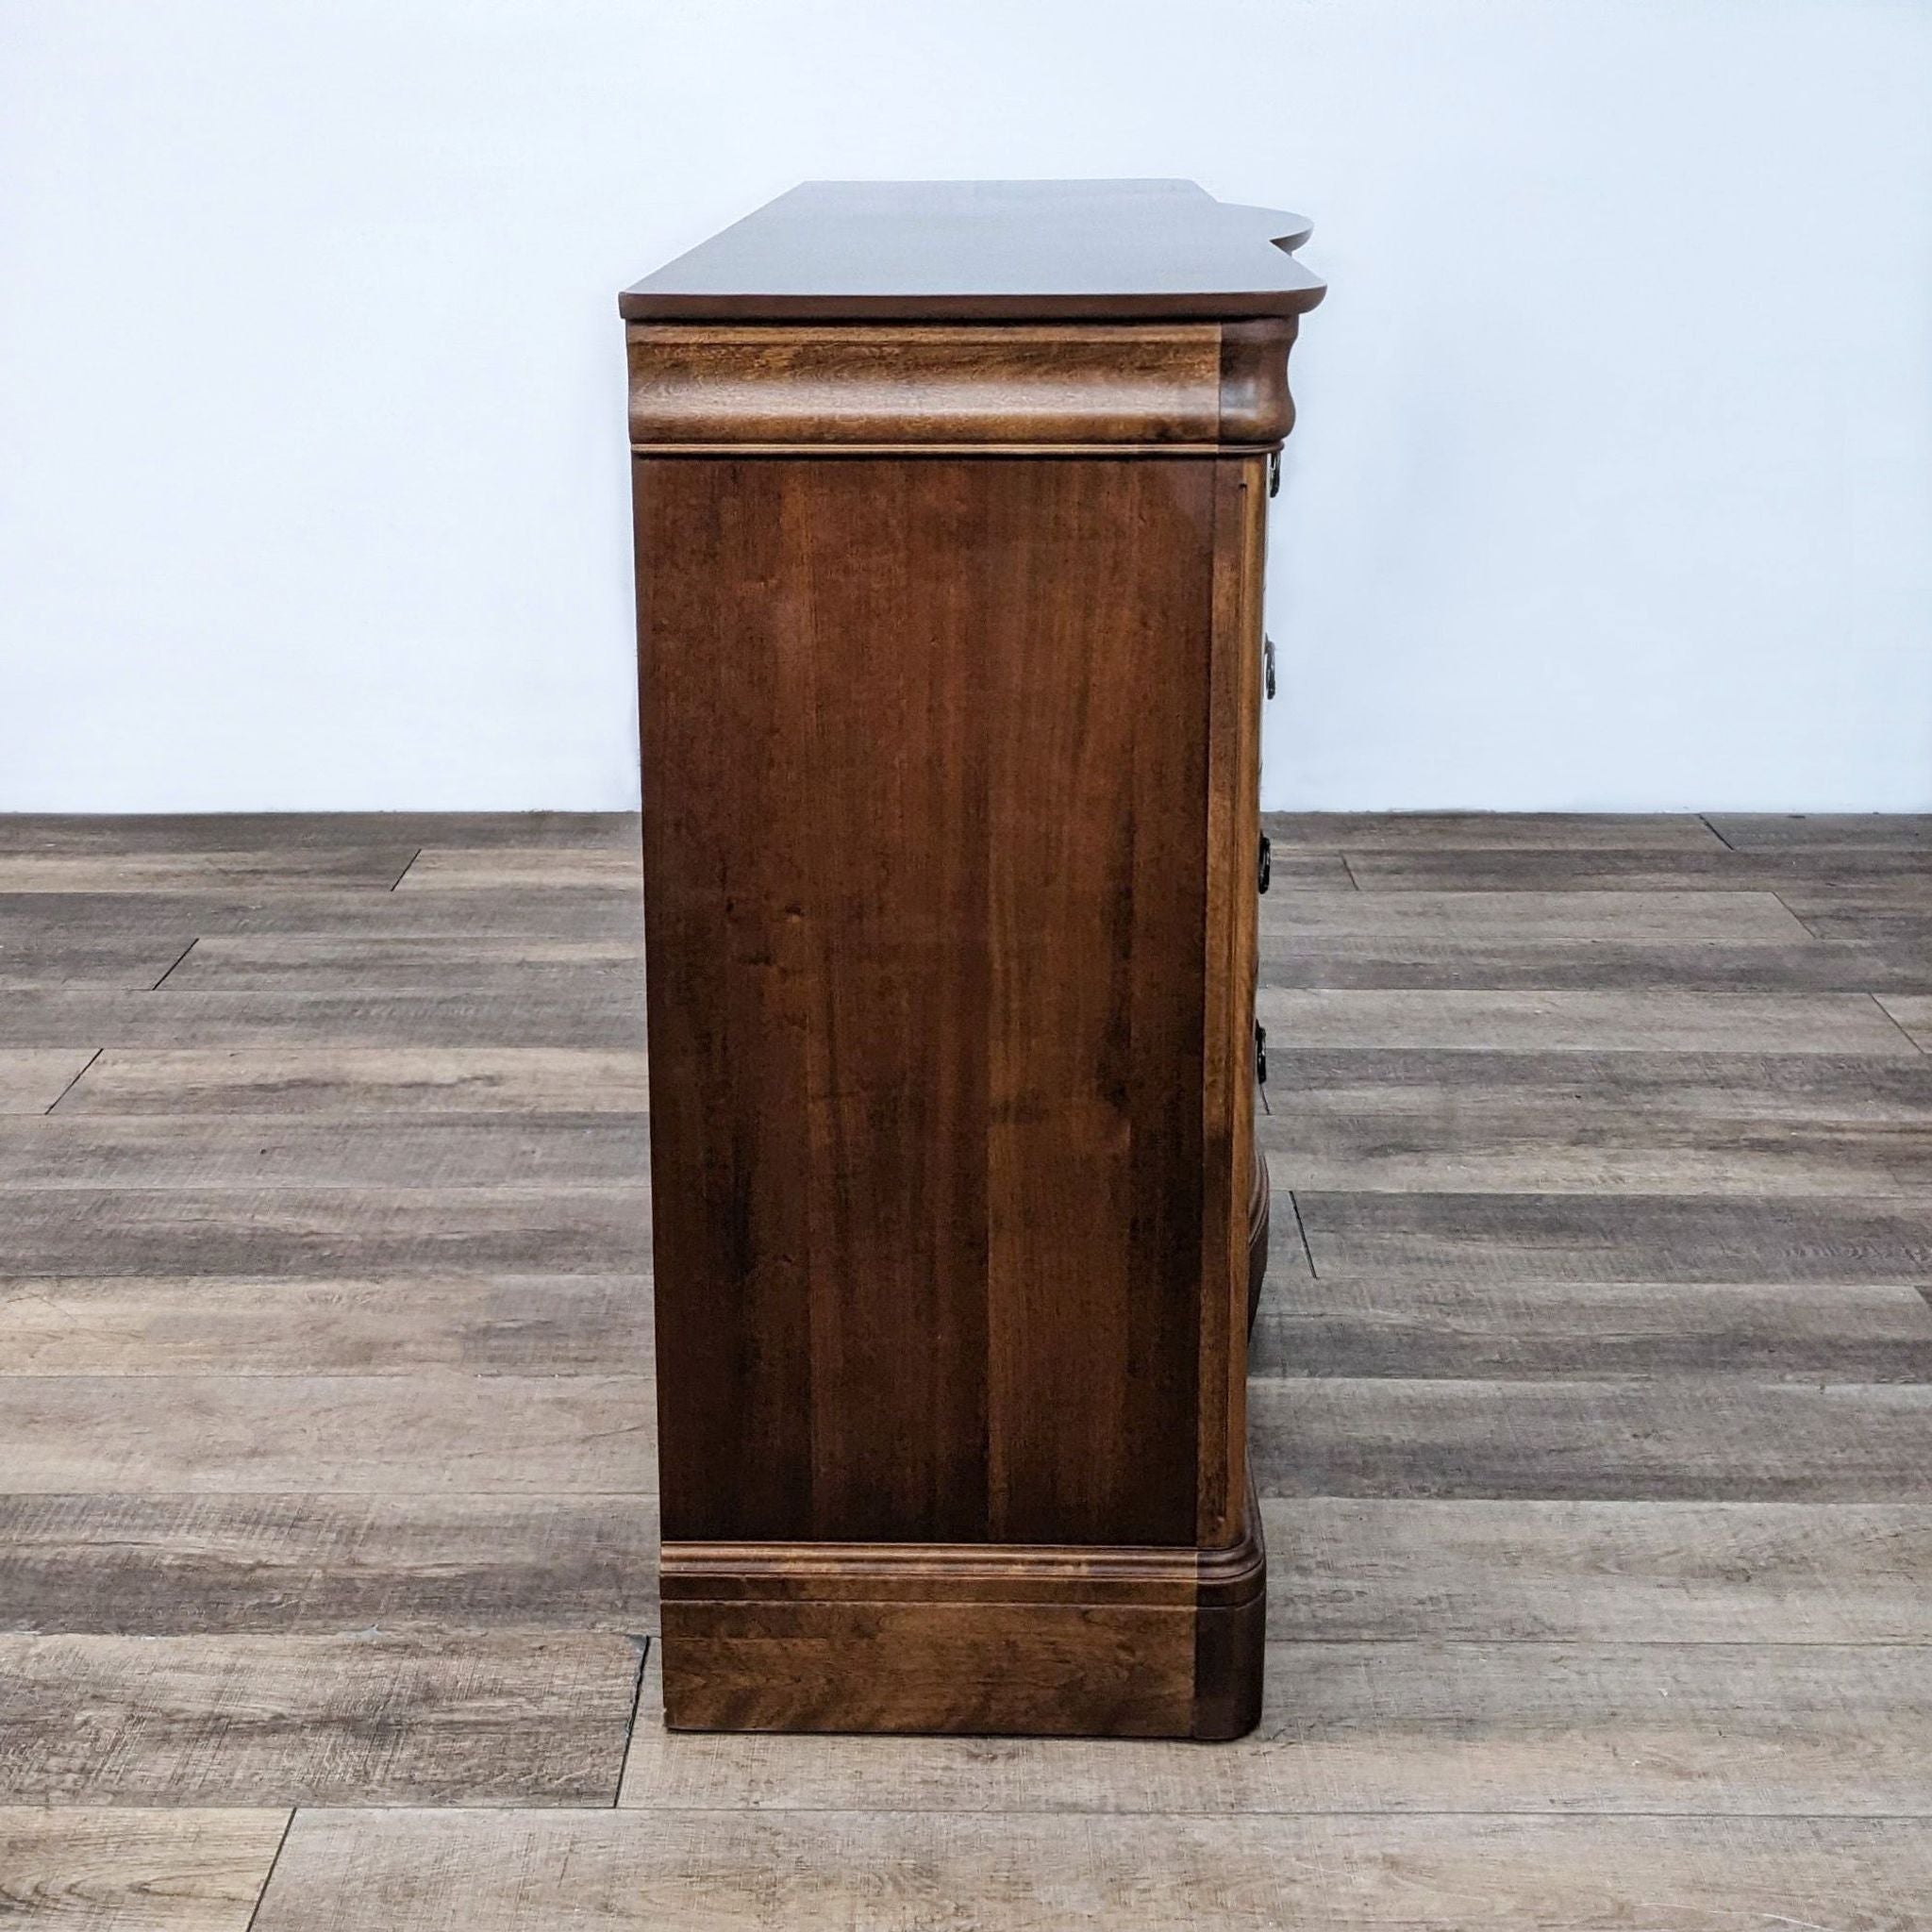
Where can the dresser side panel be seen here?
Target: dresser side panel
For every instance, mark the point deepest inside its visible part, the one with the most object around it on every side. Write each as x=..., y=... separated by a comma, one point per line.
x=925, y=776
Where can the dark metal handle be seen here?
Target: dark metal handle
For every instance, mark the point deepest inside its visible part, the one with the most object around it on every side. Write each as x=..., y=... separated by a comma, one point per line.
x=1260, y=1054
x=1266, y=867
x=1268, y=665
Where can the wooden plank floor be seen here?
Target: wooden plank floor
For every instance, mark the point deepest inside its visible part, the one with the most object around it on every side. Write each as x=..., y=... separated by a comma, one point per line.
x=1592, y=1409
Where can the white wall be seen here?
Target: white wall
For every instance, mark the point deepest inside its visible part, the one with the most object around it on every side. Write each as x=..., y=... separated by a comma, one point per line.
x=1613, y=486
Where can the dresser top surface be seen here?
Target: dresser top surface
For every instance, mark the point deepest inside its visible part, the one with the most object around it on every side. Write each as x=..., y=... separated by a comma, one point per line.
x=980, y=251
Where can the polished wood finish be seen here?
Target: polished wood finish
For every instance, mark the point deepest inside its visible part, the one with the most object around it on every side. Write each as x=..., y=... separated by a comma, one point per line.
x=1620, y=1516
x=1110, y=1641
x=894, y=1870
x=988, y=251
x=881, y=1132
x=950, y=673
x=886, y=386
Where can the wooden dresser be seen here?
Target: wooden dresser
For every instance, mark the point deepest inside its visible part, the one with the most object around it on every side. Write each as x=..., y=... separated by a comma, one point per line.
x=950, y=501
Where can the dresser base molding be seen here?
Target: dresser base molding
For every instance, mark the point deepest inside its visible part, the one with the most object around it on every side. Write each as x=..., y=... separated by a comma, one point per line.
x=986, y=1640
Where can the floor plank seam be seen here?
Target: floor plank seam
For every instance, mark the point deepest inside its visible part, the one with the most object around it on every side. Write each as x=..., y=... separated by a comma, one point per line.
x=406, y=871
x=275, y=1859
x=182, y=955
x=1301, y=1229
x=1894, y=1018
x=630, y=1729
x=1704, y=819
x=72, y=1083
x=1810, y=931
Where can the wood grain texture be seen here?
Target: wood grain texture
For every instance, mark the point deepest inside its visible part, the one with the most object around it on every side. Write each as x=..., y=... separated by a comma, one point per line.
x=500, y=1150
x=370, y=1718
x=1913, y=1016
x=971, y=1636
x=1596, y=1330
x=115, y=835
x=1749, y=1574
x=1619, y=1237
x=237, y=1325
x=897, y=1066
x=1100, y=1190
x=1705, y=1729
x=382, y=1081
x=914, y=383
x=1496, y=1153
x=1492, y=831
x=1823, y=831
x=727, y=1871
x=599, y=1016
x=323, y=1231
x=299, y=1563
x=1114, y=1671
x=579, y=912
x=1473, y=1121
x=117, y=1869
x=380, y=962
x=1899, y=917
x=1507, y=964
x=281, y=869
x=1646, y=1021
x=32, y=1079
x=1256, y=405
x=131, y=961
x=868, y=1301
x=1687, y=1438
x=610, y=868
x=726, y=998
x=1719, y=1091
x=1598, y=871
x=375, y=1435
x=1677, y=918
